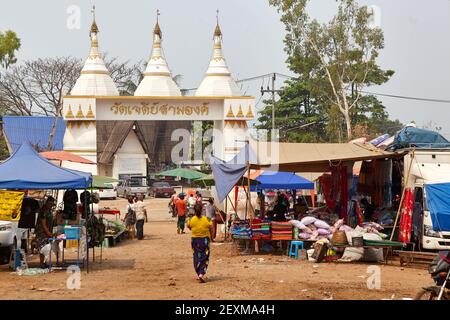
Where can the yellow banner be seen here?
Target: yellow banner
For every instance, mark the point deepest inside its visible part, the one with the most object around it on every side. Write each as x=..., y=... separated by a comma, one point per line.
x=10, y=205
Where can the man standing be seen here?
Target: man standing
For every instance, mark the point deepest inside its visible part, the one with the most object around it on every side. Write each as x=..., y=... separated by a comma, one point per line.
x=181, y=212
x=141, y=216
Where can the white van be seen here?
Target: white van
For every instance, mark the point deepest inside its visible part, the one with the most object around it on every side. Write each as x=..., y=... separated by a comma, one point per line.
x=428, y=166
x=7, y=240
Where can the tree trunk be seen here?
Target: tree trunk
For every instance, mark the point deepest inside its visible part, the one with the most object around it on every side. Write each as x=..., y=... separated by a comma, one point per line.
x=52, y=133
x=348, y=124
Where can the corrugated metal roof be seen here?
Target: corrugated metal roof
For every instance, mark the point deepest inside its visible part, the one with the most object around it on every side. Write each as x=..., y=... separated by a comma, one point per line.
x=33, y=129
x=65, y=156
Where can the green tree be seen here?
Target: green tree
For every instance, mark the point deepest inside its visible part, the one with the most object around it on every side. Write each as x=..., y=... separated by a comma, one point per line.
x=9, y=44
x=334, y=58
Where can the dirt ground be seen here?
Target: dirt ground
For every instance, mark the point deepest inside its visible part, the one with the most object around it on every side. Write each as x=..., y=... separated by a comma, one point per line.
x=160, y=267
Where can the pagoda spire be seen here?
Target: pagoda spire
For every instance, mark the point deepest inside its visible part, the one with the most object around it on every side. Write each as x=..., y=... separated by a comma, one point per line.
x=157, y=79
x=95, y=78
x=218, y=80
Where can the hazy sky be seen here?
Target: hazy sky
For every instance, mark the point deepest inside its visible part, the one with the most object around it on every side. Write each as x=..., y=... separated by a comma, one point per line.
x=416, y=38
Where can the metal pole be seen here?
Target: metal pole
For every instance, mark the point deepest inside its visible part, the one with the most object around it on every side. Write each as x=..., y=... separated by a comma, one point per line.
x=273, y=101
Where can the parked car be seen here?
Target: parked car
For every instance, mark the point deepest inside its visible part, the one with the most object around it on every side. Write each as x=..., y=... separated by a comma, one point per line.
x=132, y=186
x=109, y=193
x=7, y=241
x=161, y=189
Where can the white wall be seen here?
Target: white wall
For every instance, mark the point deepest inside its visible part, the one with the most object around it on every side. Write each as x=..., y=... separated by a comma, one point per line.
x=130, y=158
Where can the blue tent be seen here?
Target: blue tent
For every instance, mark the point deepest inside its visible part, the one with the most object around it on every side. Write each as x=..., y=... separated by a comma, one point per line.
x=438, y=202
x=282, y=180
x=26, y=169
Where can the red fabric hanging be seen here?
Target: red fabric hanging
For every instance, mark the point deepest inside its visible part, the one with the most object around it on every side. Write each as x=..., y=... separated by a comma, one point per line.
x=327, y=187
x=406, y=217
x=359, y=214
x=344, y=192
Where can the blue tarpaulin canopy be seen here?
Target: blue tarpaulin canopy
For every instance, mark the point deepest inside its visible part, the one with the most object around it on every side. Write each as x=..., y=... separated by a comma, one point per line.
x=227, y=174
x=26, y=169
x=419, y=138
x=438, y=202
x=282, y=180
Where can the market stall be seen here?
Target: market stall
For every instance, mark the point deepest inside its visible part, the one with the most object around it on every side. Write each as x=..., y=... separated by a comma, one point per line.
x=27, y=170
x=341, y=213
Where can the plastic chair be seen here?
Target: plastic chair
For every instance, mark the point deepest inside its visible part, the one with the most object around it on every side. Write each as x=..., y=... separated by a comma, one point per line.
x=295, y=246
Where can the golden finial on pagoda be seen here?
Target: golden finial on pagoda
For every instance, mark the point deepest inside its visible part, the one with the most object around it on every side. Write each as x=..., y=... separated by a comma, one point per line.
x=80, y=113
x=157, y=29
x=230, y=113
x=69, y=113
x=217, y=31
x=90, y=114
x=250, y=112
x=240, y=114
x=94, y=28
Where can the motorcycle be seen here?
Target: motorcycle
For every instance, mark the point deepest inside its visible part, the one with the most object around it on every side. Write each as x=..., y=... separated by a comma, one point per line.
x=439, y=270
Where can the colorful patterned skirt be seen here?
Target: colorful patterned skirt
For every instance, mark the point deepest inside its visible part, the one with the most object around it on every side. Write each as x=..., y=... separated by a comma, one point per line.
x=200, y=250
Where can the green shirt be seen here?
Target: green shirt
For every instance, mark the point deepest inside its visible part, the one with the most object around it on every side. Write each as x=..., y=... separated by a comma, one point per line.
x=44, y=214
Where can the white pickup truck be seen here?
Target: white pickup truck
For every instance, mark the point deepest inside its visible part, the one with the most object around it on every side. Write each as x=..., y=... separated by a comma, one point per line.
x=427, y=166
x=132, y=186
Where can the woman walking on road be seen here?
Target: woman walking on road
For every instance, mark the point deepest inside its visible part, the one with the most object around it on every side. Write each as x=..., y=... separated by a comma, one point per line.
x=201, y=229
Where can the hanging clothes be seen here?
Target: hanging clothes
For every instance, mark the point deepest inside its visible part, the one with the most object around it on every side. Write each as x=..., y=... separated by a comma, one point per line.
x=406, y=217
x=70, y=200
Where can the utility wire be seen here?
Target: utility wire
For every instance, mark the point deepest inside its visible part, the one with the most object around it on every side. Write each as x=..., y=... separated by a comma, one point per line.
x=365, y=92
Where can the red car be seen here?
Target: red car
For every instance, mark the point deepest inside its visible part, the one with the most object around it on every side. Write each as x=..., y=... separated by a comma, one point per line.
x=161, y=189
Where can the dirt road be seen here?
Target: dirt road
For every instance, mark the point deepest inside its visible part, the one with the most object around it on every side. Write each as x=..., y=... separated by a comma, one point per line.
x=160, y=267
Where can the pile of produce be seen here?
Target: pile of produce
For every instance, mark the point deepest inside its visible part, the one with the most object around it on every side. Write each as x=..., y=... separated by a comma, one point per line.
x=113, y=227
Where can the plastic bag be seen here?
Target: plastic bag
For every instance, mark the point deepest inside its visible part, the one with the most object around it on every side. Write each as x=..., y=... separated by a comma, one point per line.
x=45, y=251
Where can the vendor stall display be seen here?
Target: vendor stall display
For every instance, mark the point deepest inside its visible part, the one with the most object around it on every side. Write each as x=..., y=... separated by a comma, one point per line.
x=281, y=230
x=260, y=229
x=241, y=230
x=27, y=170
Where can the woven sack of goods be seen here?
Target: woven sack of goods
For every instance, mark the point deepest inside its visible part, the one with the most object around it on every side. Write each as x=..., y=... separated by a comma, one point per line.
x=339, y=238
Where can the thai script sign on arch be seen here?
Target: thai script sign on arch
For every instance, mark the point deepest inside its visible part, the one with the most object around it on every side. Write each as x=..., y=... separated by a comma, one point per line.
x=156, y=108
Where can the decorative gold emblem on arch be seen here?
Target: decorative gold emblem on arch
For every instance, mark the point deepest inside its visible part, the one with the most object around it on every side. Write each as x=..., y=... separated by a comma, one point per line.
x=69, y=113
x=80, y=112
x=240, y=114
x=230, y=113
x=250, y=112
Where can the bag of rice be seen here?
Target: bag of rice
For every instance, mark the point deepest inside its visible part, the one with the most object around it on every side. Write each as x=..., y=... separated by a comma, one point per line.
x=308, y=220
x=304, y=235
x=323, y=232
x=297, y=224
x=321, y=224
x=352, y=254
x=314, y=235
x=338, y=224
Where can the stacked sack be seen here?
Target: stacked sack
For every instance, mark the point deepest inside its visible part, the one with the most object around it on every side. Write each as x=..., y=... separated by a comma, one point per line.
x=312, y=228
